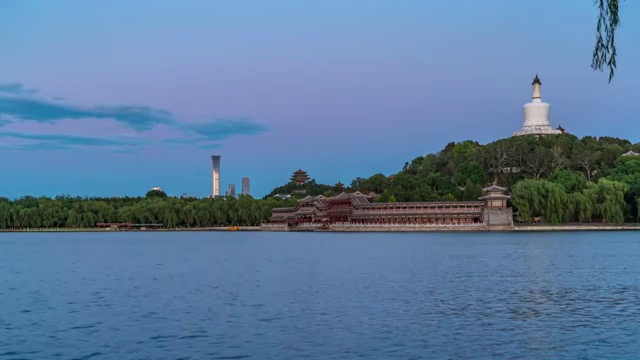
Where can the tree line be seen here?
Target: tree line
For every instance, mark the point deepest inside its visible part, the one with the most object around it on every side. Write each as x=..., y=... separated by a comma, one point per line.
x=155, y=208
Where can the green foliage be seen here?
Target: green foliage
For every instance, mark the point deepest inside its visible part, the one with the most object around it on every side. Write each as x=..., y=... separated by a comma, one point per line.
x=627, y=171
x=376, y=183
x=608, y=197
x=571, y=181
x=155, y=194
x=385, y=197
x=310, y=188
x=76, y=212
x=472, y=191
x=469, y=170
x=604, y=51
x=539, y=198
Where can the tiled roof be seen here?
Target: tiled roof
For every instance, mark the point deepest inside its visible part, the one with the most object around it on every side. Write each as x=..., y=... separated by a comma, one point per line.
x=494, y=188
x=631, y=153
x=343, y=196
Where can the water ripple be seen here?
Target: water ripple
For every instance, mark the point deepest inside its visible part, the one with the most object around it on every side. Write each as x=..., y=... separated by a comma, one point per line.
x=320, y=296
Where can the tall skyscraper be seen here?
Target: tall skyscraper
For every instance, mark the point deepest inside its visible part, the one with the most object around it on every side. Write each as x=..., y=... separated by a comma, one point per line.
x=246, y=186
x=232, y=190
x=215, y=175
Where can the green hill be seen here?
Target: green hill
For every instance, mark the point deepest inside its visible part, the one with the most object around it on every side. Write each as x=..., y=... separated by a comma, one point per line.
x=559, y=178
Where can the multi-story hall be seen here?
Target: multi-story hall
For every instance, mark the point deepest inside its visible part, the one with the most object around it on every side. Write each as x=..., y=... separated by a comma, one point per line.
x=355, y=211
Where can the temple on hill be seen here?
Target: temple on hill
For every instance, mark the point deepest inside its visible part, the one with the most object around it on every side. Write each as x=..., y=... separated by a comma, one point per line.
x=300, y=177
x=355, y=211
x=536, y=115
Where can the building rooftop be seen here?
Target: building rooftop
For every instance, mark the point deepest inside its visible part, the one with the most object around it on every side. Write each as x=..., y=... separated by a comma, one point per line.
x=631, y=153
x=494, y=188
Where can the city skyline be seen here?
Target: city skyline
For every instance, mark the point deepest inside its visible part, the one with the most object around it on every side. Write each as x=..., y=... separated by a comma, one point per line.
x=122, y=97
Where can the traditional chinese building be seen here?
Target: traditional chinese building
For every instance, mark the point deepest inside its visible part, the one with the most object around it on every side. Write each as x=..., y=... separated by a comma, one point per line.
x=353, y=210
x=300, y=177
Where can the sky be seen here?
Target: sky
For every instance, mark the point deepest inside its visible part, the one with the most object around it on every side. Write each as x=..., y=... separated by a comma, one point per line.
x=113, y=98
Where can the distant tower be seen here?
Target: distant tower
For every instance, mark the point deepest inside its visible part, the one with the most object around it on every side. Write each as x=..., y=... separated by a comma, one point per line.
x=536, y=114
x=246, y=186
x=232, y=190
x=215, y=175
x=300, y=177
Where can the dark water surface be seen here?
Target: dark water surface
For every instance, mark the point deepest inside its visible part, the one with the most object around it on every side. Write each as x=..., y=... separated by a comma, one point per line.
x=240, y=295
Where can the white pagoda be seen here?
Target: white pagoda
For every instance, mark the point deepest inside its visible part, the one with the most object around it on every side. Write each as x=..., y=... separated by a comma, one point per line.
x=536, y=115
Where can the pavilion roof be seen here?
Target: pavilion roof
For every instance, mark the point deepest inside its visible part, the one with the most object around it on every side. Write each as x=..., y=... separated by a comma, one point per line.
x=356, y=198
x=284, y=209
x=306, y=199
x=494, y=188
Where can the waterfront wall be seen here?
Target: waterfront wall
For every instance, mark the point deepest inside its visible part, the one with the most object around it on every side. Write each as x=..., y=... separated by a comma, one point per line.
x=273, y=227
x=578, y=227
x=418, y=228
x=498, y=217
x=460, y=228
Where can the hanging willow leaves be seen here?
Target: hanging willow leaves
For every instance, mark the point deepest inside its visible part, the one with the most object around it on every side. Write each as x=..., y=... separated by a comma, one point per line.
x=604, y=51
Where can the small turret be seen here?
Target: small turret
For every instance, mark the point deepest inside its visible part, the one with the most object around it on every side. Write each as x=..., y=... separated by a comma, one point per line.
x=537, y=93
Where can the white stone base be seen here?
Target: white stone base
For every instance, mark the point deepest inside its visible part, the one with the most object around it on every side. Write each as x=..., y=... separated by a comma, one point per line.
x=537, y=130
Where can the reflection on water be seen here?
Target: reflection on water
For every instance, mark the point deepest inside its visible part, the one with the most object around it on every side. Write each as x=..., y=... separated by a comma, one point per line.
x=319, y=296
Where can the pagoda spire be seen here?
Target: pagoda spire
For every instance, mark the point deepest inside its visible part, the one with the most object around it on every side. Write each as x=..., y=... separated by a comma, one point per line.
x=537, y=94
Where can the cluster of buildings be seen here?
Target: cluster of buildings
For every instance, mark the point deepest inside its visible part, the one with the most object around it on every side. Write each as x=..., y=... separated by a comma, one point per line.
x=357, y=211
x=215, y=181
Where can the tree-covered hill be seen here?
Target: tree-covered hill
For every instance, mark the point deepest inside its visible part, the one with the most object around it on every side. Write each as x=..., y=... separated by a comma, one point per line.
x=554, y=178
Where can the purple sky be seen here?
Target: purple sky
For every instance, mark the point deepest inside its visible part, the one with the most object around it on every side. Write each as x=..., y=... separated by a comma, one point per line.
x=115, y=99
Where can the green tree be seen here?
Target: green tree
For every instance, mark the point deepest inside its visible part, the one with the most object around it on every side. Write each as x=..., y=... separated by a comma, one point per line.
x=609, y=199
x=470, y=170
x=385, y=197
x=539, y=198
x=627, y=171
x=155, y=194
x=471, y=191
x=571, y=181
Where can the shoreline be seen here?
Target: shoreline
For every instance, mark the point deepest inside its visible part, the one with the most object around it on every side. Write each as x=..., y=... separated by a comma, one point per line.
x=388, y=229
x=485, y=229
x=106, y=230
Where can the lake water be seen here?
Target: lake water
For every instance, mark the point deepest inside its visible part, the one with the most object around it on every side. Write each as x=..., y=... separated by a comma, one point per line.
x=242, y=295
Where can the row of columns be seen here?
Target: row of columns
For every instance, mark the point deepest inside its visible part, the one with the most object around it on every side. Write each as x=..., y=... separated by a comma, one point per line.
x=417, y=221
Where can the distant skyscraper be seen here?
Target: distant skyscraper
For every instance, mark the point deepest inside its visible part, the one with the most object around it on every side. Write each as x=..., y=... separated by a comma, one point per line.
x=246, y=186
x=215, y=175
x=232, y=190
